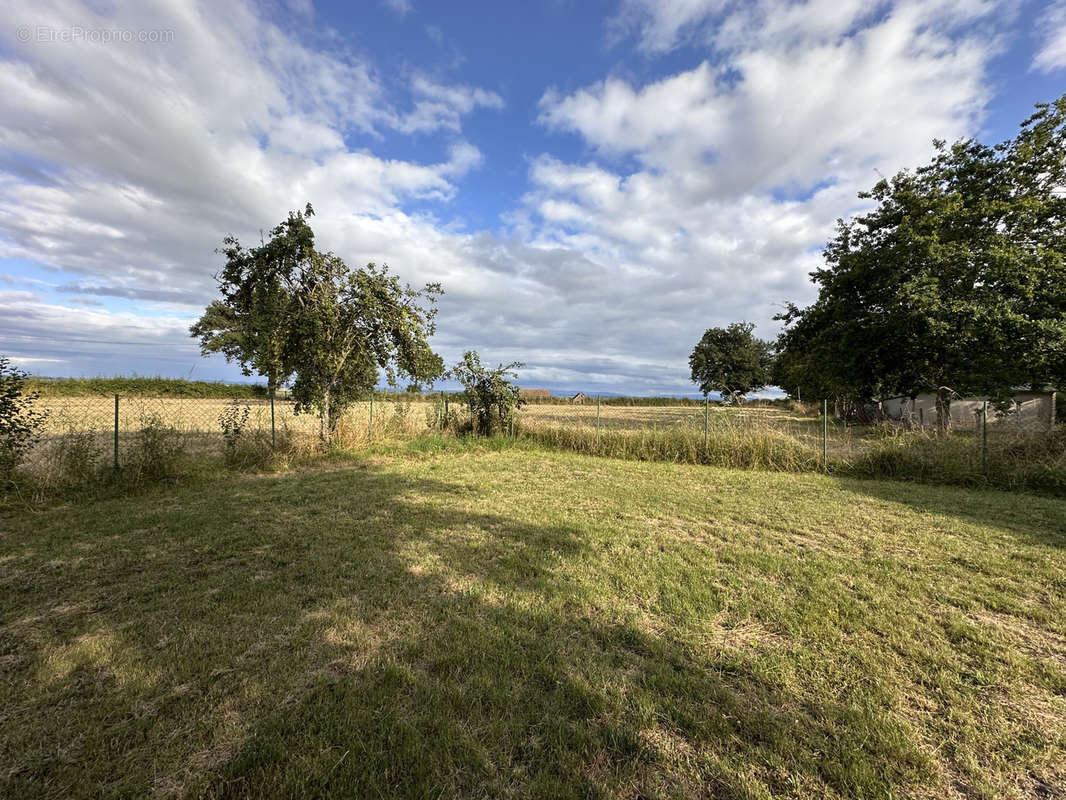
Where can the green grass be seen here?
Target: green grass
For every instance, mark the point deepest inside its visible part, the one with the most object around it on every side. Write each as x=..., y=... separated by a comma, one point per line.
x=447, y=619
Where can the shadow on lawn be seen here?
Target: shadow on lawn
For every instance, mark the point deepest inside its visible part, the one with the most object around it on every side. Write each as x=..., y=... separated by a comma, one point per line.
x=1037, y=519
x=290, y=639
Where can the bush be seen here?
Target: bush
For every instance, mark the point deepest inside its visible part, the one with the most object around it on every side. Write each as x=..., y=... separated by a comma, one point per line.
x=20, y=422
x=233, y=420
x=399, y=420
x=490, y=397
x=156, y=451
x=79, y=458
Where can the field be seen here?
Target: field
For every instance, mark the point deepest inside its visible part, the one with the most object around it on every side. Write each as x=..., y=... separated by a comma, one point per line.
x=446, y=619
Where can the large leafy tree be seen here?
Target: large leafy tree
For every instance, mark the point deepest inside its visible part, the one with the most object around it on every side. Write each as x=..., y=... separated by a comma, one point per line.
x=252, y=322
x=731, y=361
x=954, y=283
x=291, y=312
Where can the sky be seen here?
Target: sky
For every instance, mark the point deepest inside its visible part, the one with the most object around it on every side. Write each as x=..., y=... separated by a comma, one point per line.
x=594, y=182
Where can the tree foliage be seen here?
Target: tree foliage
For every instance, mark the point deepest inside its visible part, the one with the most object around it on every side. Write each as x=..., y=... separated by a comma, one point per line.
x=731, y=361
x=954, y=282
x=293, y=313
x=493, y=399
x=20, y=420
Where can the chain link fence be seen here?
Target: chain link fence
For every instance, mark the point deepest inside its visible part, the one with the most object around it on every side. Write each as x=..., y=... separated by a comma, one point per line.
x=136, y=434
x=88, y=433
x=984, y=445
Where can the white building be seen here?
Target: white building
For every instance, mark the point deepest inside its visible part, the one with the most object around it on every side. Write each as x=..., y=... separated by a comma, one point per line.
x=1028, y=410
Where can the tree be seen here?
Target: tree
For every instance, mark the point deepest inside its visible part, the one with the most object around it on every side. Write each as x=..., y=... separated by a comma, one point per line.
x=252, y=323
x=954, y=283
x=731, y=361
x=493, y=400
x=290, y=312
x=349, y=324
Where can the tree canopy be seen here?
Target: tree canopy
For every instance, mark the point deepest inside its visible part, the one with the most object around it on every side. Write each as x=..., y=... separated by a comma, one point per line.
x=955, y=282
x=293, y=313
x=731, y=361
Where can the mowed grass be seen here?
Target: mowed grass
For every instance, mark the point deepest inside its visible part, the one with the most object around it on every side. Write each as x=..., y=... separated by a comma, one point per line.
x=472, y=622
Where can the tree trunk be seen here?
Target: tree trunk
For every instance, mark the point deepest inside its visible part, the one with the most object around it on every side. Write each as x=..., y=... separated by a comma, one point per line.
x=943, y=409
x=323, y=420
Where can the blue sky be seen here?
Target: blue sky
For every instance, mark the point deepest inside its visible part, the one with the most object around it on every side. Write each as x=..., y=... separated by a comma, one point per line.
x=594, y=183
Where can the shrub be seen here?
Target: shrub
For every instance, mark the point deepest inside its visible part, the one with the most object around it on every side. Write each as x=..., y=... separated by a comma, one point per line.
x=490, y=397
x=233, y=419
x=156, y=450
x=20, y=421
x=78, y=458
x=398, y=422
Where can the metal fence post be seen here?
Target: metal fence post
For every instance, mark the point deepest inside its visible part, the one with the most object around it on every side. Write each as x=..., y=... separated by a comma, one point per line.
x=273, y=439
x=597, y=417
x=825, y=434
x=984, y=438
x=116, y=435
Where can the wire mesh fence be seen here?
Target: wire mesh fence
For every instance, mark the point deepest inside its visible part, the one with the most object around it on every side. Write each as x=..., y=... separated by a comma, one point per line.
x=116, y=431
x=97, y=432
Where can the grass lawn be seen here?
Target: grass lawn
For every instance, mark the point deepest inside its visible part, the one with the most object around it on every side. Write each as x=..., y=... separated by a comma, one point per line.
x=519, y=623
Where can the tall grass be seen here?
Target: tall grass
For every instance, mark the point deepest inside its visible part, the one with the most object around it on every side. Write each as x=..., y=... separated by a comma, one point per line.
x=728, y=445
x=654, y=402
x=1015, y=460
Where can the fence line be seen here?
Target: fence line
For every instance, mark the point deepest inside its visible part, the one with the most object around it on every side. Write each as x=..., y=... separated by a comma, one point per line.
x=777, y=437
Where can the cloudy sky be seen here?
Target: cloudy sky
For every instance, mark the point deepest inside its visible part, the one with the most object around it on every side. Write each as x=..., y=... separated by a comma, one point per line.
x=594, y=183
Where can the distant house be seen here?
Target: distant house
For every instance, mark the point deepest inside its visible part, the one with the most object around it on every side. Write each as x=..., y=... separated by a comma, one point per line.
x=1030, y=410
x=579, y=398
x=534, y=394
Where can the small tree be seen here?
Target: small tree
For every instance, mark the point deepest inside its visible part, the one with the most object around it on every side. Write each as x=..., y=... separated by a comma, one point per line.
x=20, y=422
x=493, y=400
x=349, y=324
x=289, y=311
x=731, y=361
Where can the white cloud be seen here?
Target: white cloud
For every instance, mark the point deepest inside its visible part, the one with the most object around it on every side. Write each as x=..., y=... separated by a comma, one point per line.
x=790, y=116
x=438, y=106
x=401, y=7
x=661, y=25
x=744, y=162
x=703, y=197
x=149, y=154
x=1051, y=31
